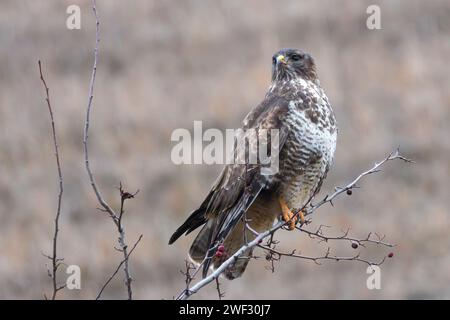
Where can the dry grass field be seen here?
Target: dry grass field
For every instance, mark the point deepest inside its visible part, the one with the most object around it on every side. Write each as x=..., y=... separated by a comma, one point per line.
x=164, y=64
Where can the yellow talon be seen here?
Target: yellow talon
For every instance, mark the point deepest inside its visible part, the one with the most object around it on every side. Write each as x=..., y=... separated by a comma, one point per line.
x=287, y=214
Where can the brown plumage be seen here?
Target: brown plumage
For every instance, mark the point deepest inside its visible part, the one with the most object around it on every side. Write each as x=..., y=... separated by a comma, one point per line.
x=297, y=106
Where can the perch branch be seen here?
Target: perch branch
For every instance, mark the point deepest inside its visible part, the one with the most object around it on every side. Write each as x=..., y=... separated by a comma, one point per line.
x=186, y=293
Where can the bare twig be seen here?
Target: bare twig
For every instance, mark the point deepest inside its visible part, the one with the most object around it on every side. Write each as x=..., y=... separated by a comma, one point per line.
x=189, y=277
x=186, y=293
x=117, y=218
x=123, y=247
x=220, y=293
x=352, y=185
x=371, y=237
x=118, y=268
x=54, y=258
x=103, y=203
x=232, y=259
x=189, y=266
x=275, y=255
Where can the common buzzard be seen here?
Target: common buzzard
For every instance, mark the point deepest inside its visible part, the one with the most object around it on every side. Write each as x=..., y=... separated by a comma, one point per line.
x=297, y=106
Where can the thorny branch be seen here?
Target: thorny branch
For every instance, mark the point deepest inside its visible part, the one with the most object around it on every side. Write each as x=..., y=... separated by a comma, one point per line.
x=259, y=237
x=352, y=185
x=373, y=238
x=117, y=218
x=189, y=266
x=54, y=258
x=275, y=255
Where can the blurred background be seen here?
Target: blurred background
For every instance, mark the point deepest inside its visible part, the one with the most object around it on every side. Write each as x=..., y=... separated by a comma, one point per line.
x=164, y=64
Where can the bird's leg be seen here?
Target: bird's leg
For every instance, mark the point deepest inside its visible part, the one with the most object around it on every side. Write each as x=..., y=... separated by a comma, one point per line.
x=287, y=214
x=302, y=217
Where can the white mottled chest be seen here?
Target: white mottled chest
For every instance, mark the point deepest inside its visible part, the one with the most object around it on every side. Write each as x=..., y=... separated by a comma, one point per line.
x=309, y=150
x=319, y=136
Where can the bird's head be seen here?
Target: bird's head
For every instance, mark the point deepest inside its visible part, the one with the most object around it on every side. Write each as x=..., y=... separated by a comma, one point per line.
x=289, y=64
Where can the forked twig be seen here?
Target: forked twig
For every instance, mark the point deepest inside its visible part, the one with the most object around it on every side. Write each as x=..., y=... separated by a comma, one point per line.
x=118, y=268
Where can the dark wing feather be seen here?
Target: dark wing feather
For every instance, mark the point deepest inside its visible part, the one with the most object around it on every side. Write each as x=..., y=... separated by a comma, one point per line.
x=238, y=185
x=195, y=220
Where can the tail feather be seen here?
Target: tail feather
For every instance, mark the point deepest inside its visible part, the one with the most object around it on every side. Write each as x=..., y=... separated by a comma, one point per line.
x=234, y=241
x=200, y=245
x=226, y=223
x=261, y=216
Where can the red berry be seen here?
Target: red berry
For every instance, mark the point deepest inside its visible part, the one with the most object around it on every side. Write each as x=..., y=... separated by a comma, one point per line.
x=219, y=254
x=390, y=255
x=221, y=248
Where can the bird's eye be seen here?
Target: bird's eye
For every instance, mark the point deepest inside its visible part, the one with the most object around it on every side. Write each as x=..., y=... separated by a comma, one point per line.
x=296, y=57
x=274, y=60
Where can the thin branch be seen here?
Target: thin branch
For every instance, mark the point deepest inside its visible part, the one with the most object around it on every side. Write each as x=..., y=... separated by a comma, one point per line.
x=352, y=185
x=231, y=260
x=123, y=247
x=55, y=260
x=185, y=294
x=117, y=218
x=318, y=234
x=118, y=268
x=220, y=293
x=276, y=255
x=103, y=203
x=189, y=277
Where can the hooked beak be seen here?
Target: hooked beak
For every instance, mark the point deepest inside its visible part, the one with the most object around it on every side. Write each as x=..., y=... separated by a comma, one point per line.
x=281, y=59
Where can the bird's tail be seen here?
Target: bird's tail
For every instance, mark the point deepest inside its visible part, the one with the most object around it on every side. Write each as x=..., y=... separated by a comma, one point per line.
x=232, y=243
x=200, y=246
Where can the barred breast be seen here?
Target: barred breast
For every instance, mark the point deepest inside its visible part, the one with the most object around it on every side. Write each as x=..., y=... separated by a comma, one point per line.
x=309, y=149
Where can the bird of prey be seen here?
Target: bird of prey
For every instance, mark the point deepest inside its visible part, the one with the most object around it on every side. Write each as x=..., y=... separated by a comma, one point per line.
x=296, y=105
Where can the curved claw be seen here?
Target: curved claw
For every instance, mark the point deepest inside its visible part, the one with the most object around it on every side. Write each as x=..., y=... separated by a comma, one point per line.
x=288, y=216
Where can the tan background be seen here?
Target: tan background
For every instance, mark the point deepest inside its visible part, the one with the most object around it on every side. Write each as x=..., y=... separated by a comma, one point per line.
x=164, y=64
